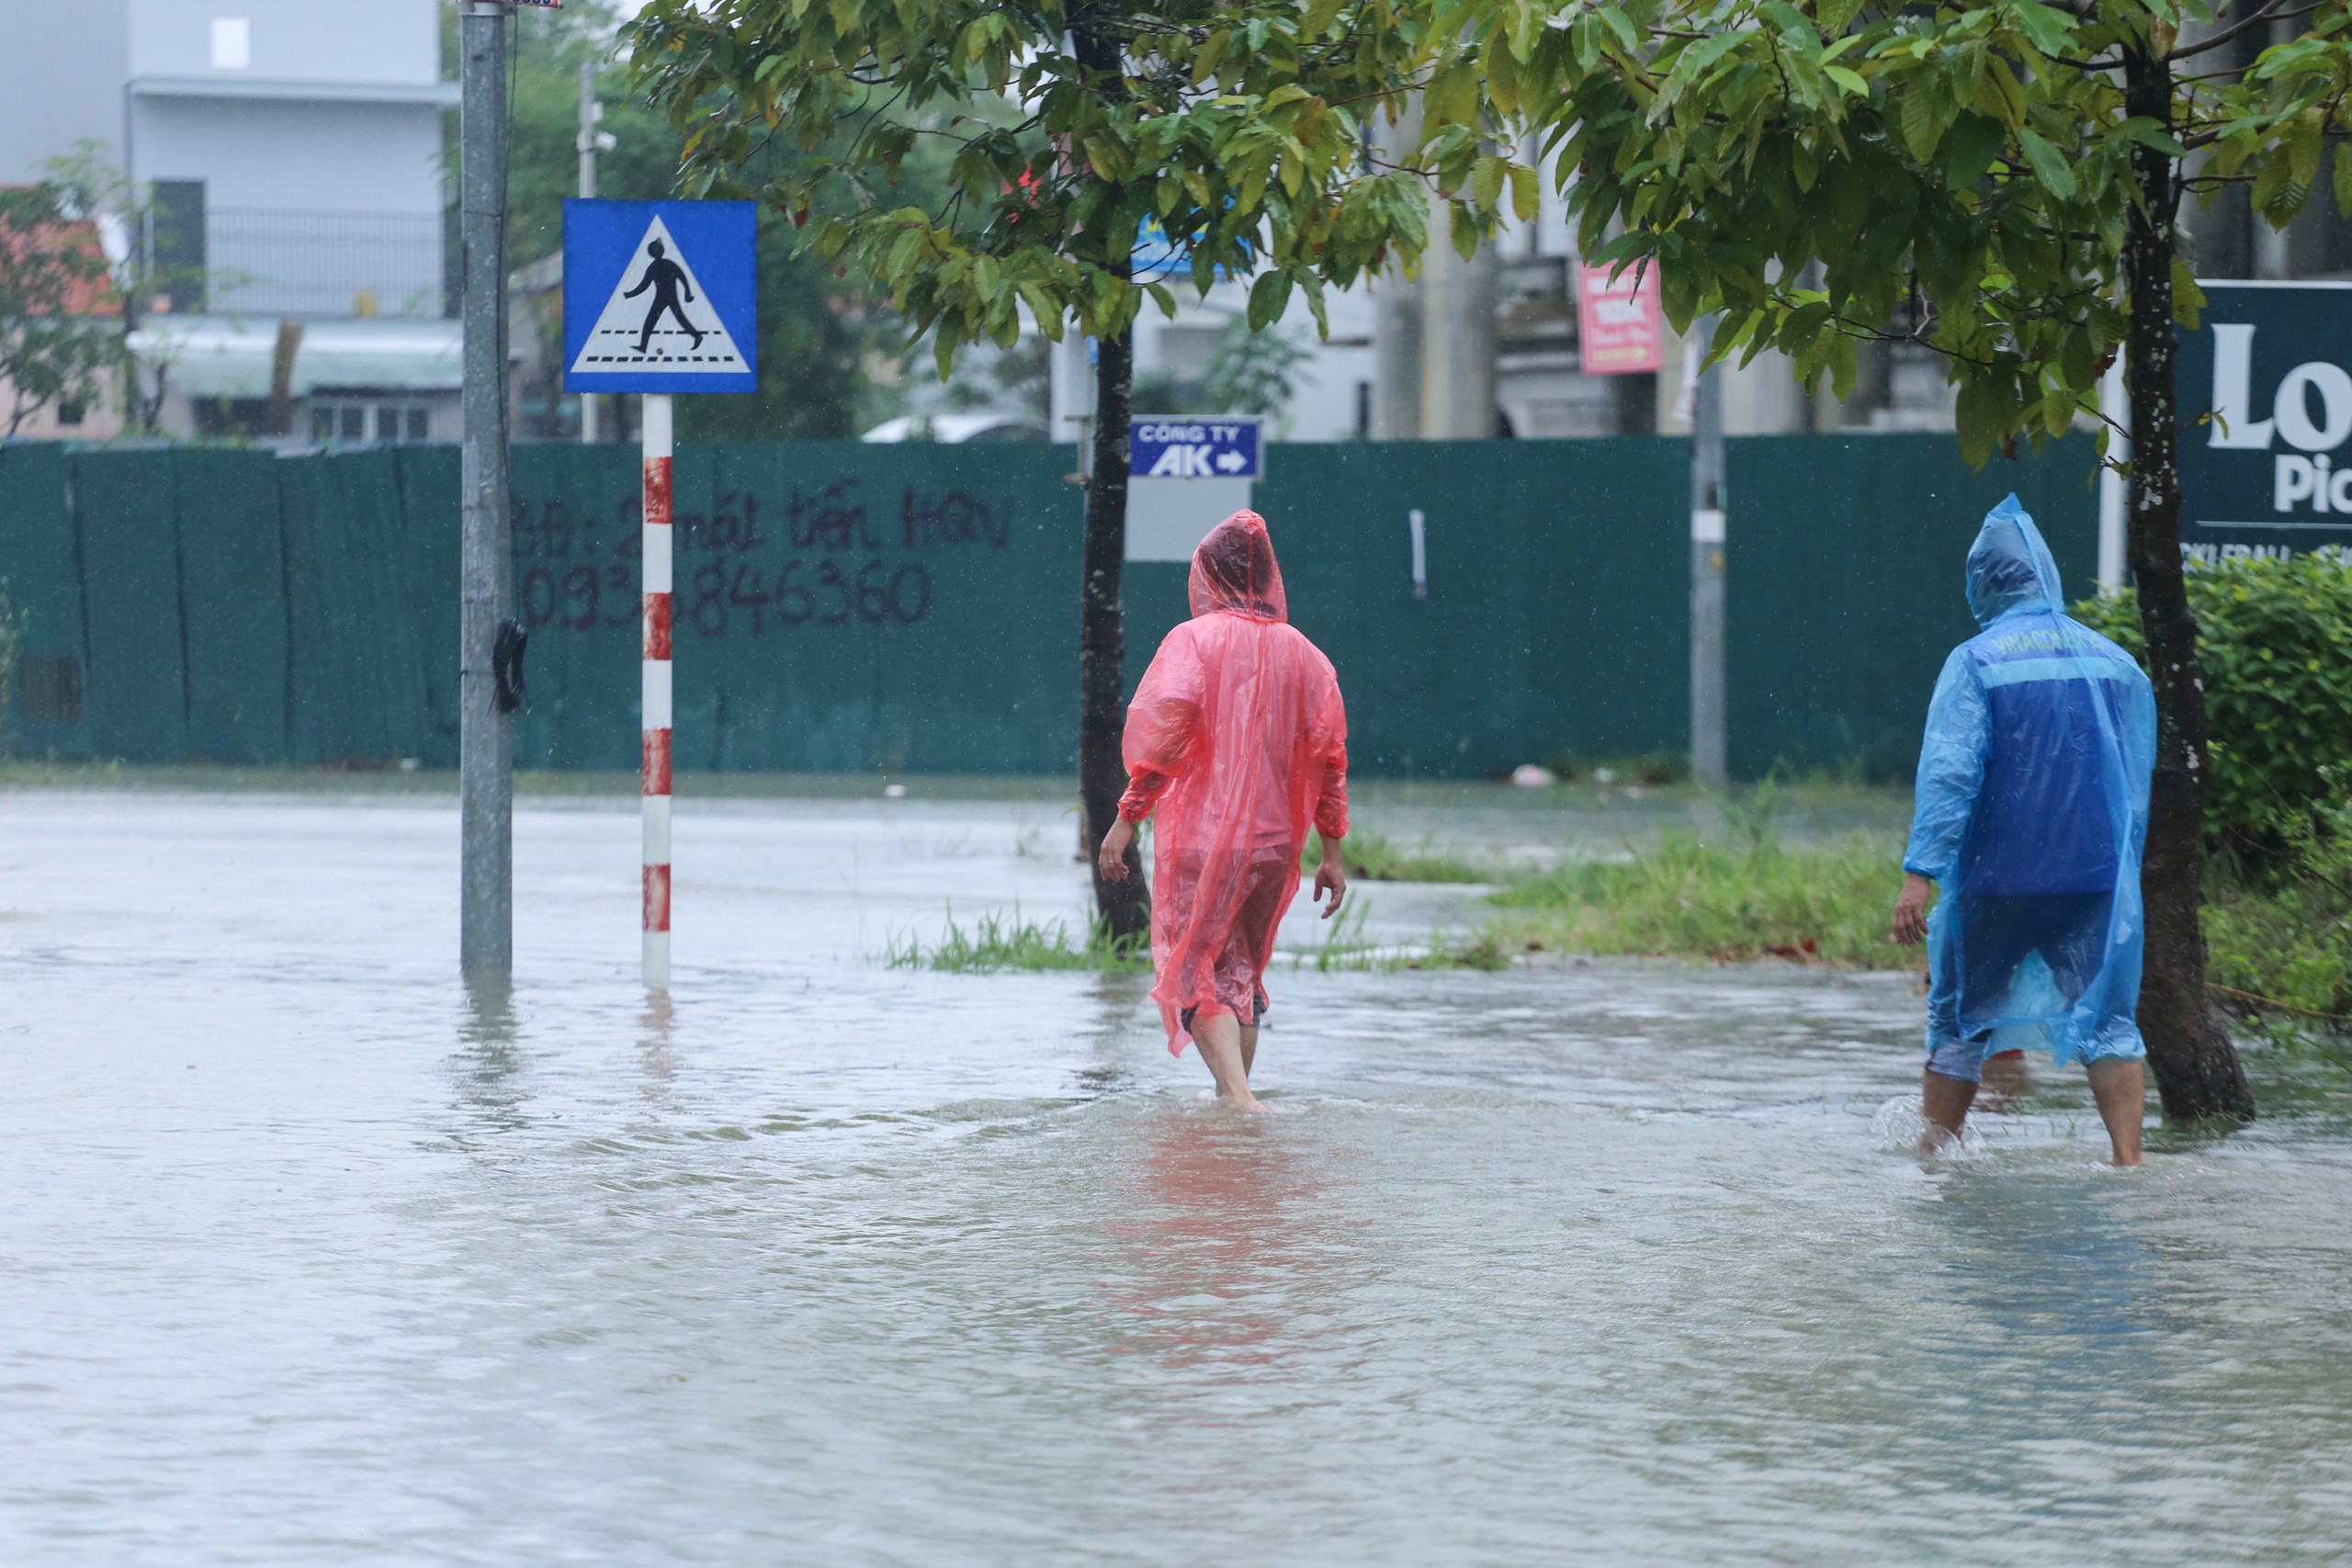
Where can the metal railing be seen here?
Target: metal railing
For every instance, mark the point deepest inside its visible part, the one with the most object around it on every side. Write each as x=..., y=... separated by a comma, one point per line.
x=289, y=262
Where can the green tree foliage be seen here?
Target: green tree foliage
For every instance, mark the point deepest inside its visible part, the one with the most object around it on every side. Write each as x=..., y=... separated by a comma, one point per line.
x=53, y=276
x=813, y=326
x=1961, y=175
x=2282, y=939
x=1242, y=129
x=2276, y=640
x=1996, y=181
x=814, y=337
x=135, y=283
x=548, y=48
x=1254, y=372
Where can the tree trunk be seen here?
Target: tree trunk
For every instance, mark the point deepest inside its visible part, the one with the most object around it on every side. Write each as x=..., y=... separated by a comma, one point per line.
x=2196, y=1067
x=1123, y=908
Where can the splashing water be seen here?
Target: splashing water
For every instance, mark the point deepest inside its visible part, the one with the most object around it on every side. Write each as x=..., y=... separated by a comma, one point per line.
x=1900, y=1124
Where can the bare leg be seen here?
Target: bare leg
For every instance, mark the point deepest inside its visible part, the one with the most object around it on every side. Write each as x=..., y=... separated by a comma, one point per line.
x=1944, y=1103
x=2005, y=1078
x=1219, y=1039
x=2123, y=1096
x=1248, y=1049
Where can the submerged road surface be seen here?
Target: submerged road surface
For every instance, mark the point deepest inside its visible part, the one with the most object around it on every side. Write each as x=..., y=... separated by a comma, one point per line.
x=310, y=1257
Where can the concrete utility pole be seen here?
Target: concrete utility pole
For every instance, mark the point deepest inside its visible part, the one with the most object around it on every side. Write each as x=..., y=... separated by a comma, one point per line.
x=2115, y=404
x=485, y=734
x=1396, y=356
x=591, y=141
x=1457, y=339
x=1396, y=315
x=1069, y=395
x=1707, y=706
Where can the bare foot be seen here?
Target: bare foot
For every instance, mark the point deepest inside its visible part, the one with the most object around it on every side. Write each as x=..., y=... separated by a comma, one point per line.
x=1244, y=1103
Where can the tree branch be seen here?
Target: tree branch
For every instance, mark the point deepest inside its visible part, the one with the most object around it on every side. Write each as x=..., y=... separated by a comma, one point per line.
x=2269, y=12
x=2261, y=1000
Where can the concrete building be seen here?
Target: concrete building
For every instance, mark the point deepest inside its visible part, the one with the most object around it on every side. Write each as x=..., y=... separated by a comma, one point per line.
x=1483, y=348
x=291, y=153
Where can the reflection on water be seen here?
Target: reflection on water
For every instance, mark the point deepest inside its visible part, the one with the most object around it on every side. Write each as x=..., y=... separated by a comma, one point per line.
x=490, y=1092
x=1223, y=1239
x=314, y=1254
x=2034, y=1255
x=657, y=1056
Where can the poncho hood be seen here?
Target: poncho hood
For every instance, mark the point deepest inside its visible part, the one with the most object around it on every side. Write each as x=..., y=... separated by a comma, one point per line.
x=1234, y=570
x=2009, y=566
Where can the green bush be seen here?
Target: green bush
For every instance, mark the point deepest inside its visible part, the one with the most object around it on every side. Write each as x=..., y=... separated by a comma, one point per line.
x=2276, y=640
x=2284, y=939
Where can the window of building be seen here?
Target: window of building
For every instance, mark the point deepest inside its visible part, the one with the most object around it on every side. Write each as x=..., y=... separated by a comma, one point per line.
x=233, y=44
x=175, y=244
x=70, y=414
x=352, y=421
x=402, y=422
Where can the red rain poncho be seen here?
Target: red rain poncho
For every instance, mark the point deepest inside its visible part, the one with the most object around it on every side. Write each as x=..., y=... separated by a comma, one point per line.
x=1238, y=737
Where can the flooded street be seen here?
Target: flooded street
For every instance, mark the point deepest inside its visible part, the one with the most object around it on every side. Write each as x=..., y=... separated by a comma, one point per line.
x=311, y=1256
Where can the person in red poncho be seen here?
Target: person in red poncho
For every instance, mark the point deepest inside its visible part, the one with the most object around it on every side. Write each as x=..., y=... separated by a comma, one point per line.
x=1238, y=738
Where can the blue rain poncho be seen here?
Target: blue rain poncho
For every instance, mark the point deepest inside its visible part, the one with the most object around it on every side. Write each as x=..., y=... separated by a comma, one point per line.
x=2033, y=809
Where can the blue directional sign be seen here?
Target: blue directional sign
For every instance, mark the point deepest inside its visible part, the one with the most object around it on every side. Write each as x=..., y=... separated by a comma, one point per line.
x=660, y=296
x=1225, y=447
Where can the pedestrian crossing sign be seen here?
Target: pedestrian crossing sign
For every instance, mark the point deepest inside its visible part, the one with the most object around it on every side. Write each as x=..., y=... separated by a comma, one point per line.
x=660, y=296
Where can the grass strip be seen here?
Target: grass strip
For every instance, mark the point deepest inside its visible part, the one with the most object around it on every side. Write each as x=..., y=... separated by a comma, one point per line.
x=1372, y=856
x=997, y=943
x=1826, y=903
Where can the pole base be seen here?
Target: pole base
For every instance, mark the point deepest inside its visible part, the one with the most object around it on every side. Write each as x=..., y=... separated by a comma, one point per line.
x=657, y=961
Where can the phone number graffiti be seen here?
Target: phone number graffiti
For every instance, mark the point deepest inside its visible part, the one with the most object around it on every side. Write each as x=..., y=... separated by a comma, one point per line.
x=574, y=573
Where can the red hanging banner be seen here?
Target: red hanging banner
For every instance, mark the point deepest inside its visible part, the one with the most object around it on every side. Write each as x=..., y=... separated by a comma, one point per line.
x=1618, y=318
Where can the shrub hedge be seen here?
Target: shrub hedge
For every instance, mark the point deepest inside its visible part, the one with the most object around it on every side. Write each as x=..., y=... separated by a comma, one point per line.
x=2276, y=640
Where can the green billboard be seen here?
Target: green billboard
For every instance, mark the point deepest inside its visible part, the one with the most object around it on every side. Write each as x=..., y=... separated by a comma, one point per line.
x=2265, y=385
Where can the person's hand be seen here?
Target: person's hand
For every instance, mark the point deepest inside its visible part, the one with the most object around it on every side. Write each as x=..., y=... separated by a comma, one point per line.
x=1113, y=861
x=1330, y=878
x=1911, y=910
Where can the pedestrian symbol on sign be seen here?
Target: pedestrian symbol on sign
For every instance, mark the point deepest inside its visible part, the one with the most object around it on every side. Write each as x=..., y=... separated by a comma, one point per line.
x=629, y=337
x=663, y=276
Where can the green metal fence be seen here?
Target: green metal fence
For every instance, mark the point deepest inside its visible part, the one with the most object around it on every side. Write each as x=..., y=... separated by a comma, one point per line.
x=851, y=607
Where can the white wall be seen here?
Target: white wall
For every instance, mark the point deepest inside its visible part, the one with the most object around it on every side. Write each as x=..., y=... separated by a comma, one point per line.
x=1323, y=405
x=62, y=69
x=342, y=157
x=292, y=40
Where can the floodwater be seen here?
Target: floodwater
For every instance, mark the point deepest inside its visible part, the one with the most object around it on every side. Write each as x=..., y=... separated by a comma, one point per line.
x=308, y=1256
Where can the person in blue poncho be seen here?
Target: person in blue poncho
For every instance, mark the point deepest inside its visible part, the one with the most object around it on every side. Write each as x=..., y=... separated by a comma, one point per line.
x=2031, y=810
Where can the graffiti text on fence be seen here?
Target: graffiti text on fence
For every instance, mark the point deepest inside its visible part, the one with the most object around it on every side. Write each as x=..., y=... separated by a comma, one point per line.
x=571, y=574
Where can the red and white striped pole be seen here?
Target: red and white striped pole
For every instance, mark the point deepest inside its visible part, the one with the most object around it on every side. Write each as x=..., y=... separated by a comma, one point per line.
x=655, y=770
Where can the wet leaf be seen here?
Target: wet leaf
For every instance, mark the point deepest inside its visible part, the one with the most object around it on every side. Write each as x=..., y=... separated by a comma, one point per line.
x=2048, y=165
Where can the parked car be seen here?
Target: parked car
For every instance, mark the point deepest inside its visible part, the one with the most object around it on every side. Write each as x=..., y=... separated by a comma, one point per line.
x=958, y=427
